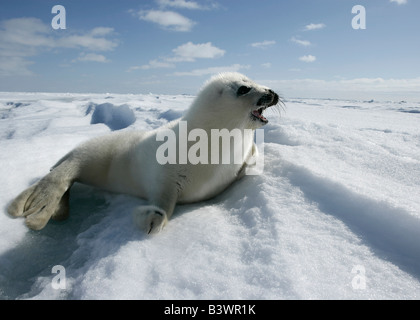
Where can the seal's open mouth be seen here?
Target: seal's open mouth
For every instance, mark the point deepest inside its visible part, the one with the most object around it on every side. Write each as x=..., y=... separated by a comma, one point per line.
x=258, y=115
x=267, y=100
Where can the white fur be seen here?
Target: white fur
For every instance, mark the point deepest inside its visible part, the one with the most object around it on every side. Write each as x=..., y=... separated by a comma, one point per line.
x=126, y=162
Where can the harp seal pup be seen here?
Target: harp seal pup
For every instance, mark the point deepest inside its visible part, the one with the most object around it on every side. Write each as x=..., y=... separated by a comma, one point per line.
x=126, y=162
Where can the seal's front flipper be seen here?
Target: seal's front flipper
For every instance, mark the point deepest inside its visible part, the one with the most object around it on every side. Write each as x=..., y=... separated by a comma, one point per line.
x=150, y=219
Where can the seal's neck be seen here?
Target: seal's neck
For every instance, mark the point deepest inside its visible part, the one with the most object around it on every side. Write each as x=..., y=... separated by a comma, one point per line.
x=208, y=114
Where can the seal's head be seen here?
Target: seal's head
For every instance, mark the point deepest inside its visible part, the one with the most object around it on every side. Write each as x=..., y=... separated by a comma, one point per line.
x=265, y=98
x=235, y=101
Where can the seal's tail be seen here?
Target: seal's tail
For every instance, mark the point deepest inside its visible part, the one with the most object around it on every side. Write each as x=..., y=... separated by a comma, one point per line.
x=47, y=198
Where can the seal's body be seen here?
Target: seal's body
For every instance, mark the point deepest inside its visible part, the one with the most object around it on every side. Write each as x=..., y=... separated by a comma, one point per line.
x=127, y=162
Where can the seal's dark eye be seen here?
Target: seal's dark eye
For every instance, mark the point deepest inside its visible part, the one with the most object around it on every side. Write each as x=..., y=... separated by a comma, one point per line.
x=243, y=90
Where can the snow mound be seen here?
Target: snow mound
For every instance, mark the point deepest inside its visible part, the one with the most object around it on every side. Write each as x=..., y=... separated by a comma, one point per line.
x=115, y=117
x=170, y=115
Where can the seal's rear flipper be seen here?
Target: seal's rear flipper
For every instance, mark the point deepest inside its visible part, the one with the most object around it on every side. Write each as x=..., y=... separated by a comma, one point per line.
x=63, y=210
x=17, y=207
x=47, y=198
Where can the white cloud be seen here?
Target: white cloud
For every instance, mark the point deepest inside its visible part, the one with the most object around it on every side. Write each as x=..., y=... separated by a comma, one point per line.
x=184, y=4
x=266, y=65
x=167, y=19
x=212, y=70
x=314, y=26
x=90, y=41
x=399, y=2
x=309, y=58
x=91, y=57
x=12, y=66
x=21, y=38
x=153, y=64
x=32, y=33
x=101, y=31
x=181, y=4
x=304, y=43
x=263, y=44
x=187, y=52
x=190, y=51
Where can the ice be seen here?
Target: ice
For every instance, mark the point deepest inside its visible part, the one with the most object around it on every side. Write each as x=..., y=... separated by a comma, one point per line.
x=115, y=117
x=339, y=193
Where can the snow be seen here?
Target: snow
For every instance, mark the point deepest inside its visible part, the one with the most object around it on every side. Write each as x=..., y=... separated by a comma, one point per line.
x=115, y=117
x=336, y=206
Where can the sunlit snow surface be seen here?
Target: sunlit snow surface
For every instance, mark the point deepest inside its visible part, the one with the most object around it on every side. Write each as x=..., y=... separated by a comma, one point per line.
x=340, y=192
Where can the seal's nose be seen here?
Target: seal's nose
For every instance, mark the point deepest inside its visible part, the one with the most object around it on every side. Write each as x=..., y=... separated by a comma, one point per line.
x=275, y=97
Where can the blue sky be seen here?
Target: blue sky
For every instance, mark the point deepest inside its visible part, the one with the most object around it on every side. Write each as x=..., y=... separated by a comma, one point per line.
x=302, y=48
